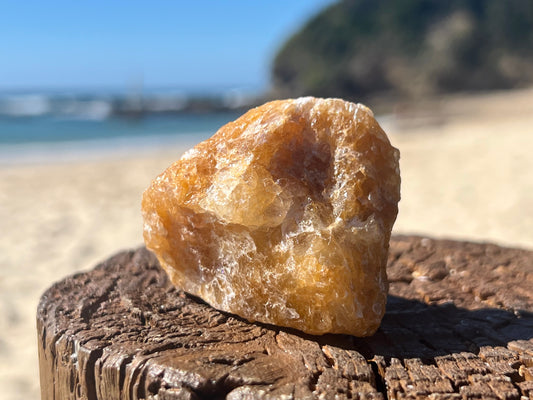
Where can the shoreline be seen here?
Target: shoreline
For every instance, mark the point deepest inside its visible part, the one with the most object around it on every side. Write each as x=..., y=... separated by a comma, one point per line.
x=93, y=150
x=407, y=118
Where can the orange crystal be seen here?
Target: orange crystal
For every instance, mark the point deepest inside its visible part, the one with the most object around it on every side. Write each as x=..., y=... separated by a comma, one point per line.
x=284, y=216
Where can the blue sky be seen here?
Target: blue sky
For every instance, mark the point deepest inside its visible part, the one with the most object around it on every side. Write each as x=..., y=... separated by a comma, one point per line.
x=192, y=44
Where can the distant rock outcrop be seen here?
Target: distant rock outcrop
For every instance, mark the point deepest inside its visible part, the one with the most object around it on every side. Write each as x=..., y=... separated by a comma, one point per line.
x=361, y=48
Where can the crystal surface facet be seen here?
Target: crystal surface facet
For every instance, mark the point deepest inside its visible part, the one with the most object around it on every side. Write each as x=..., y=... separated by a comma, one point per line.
x=283, y=216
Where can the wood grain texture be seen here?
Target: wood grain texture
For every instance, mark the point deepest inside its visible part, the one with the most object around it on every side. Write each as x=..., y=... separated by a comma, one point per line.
x=459, y=324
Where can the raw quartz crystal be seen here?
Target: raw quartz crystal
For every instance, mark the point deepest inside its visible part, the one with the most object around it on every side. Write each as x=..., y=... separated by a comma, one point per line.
x=283, y=216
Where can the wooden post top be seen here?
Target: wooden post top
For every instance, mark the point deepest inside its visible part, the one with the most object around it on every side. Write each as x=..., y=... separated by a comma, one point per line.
x=459, y=324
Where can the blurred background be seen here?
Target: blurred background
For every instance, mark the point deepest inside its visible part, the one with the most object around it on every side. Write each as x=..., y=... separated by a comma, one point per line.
x=129, y=75
x=98, y=98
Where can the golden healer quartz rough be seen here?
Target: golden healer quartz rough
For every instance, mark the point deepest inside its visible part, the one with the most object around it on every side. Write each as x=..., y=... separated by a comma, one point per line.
x=283, y=216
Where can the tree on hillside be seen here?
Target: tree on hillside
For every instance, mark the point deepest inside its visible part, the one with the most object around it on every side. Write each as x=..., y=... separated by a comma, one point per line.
x=359, y=48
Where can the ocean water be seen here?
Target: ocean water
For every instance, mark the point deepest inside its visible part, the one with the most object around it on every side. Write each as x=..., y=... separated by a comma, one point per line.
x=50, y=138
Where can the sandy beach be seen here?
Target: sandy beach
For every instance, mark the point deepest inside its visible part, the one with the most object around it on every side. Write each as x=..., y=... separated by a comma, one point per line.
x=467, y=173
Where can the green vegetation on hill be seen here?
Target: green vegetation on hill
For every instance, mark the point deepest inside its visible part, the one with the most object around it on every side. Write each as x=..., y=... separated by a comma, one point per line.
x=360, y=48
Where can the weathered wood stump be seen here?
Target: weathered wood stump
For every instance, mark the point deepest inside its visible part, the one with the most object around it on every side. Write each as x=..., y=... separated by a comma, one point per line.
x=459, y=324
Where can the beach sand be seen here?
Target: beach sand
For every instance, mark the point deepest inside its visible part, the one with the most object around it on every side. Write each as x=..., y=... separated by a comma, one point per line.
x=467, y=173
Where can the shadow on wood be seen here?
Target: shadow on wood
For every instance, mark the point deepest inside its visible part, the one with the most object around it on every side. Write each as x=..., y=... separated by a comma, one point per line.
x=458, y=325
